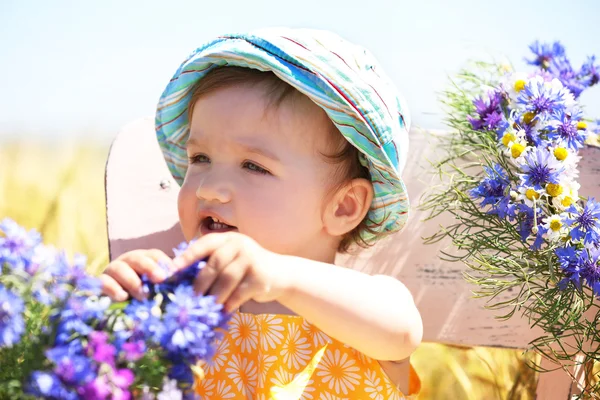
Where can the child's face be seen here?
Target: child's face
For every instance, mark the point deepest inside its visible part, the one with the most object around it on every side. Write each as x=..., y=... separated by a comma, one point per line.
x=258, y=169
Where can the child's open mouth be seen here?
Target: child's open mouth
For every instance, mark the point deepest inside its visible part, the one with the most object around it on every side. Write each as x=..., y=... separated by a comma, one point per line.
x=212, y=225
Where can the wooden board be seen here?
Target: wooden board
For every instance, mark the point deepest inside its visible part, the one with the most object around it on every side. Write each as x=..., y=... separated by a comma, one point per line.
x=142, y=213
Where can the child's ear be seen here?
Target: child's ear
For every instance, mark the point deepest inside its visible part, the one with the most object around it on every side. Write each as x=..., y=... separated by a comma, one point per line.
x=348, y=207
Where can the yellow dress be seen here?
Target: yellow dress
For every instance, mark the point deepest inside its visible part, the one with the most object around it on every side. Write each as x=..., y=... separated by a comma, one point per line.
x=283, y=357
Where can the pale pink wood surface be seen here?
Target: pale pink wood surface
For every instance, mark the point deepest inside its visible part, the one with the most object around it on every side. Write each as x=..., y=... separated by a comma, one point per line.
x=141, y=213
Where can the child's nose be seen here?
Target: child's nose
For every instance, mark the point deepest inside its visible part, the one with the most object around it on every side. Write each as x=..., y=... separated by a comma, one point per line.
x=213, y=190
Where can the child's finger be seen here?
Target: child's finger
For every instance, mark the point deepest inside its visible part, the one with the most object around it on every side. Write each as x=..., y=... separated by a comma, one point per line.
x=228, y=280
x=160, y=257
x=243, y=293
x=144, y=265
x=112, y=289
x=216, y=263
x=126, y=277
x=200, y=249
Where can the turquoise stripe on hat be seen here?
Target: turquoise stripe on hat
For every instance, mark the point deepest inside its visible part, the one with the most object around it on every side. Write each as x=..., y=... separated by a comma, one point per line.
x=343, y=79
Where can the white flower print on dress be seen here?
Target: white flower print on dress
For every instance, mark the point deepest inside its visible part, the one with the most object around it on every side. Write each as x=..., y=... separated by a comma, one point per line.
x=287, y=385
x=264, y=364
x=392, y=391
x=296, y=349
x=218, y=361
x=373, y=385
x=244, y=374
x=319, y=337
x=205, y=388
x=339, y=370
x=244, y=332
x=271, y=331
x=222, y=391
x=331, y=396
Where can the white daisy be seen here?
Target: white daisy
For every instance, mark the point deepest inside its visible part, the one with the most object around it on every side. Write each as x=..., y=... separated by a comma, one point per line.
x=528, y=194
x=569, y=196
x=555, y=227
x=513, y=84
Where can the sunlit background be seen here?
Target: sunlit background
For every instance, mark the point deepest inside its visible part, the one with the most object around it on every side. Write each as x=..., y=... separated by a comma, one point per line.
x=72, y=73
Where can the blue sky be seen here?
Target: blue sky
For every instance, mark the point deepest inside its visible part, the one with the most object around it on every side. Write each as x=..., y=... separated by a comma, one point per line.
x=85, y=68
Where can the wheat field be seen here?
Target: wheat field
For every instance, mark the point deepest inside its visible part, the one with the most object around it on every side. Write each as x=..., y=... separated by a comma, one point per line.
x=58, y=189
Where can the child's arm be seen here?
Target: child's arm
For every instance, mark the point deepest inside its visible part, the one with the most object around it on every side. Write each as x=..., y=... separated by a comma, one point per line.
x=375, y=315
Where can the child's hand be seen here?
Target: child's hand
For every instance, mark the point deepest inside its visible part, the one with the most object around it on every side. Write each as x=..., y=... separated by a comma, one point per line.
x=121, y=277
x=237, y=270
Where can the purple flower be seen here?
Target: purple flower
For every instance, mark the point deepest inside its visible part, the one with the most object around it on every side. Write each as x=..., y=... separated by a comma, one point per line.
x=563, y=126
x=100, y=350
x=585, y=225
x=47, y=385
x=12, y=325
x=540, y=168
x=71, y=365
x=112, y=385
x=134, y=350
x=98, y=389
x=545, y=53
x=590, y=268
x=489, y=112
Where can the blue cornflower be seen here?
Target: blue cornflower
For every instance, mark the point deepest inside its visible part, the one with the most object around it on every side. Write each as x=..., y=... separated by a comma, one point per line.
x=590, y=270
x=147, y=325
x=538, y=97
x=182, y=247
x=12, y=325
x=563, y=126
x=77, y=315
x=561, y=69
x=186, y=323
x=72, y=366
x=48, y=386
x=527, y=220
x=545, y=53
x=585, y=225
x=17, y=245
x=569, y=261
x=489, y=112
x=180, y=369
x=493, y=189
x=540, y=167
x=590, y=72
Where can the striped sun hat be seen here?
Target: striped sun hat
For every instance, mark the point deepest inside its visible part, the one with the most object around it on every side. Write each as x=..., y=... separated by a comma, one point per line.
x=343, y=79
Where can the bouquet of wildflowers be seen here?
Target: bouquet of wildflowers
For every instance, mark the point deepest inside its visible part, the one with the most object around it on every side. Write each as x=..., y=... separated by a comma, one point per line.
x=531, y=242
x=60, y=339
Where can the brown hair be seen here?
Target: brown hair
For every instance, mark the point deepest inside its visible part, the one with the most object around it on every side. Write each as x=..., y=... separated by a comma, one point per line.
x=345, y=155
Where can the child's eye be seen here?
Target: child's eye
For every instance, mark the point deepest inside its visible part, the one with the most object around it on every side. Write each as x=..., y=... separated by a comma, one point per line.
x=198, y=159
x=249, y=165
